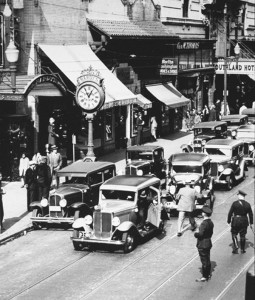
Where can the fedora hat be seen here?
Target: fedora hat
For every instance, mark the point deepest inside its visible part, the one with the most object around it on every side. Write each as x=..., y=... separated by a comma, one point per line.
x=143, y=194
x=54, y=147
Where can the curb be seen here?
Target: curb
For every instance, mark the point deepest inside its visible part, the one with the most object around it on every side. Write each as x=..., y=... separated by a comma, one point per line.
x=16, y=235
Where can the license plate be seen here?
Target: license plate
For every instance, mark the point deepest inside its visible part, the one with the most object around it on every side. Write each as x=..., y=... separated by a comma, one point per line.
x=55, y=208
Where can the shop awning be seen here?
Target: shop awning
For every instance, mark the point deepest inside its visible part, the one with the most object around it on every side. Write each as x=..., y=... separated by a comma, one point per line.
x=168, y=94
x=73, y=59
x=143, y=102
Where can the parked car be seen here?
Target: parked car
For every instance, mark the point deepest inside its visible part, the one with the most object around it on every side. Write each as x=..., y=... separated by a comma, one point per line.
x=233, y=123
x=139, y=168
x=115, y=221
x=246, y=133
x=227, y=161
x=204, y=132
x=250, y=112
x=154, y=155
x=192, y=168
x=76, y=196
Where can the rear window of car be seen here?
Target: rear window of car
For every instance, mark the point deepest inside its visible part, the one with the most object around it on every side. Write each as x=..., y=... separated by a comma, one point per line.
x=218, y=151
x=118, y=195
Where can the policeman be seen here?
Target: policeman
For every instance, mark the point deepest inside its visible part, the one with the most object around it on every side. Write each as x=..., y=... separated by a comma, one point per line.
x=239, y=221
x=204, y=243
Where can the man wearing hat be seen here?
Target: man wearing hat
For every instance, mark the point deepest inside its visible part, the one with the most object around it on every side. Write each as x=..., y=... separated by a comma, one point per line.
x=239, y=220
x=143, y=205
x=186, y=205
x=54, y=161
x=31, y=183
x=204, y=243
x=43, y=178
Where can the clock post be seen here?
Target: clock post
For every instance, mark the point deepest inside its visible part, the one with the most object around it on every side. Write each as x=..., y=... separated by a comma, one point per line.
x=90, y=96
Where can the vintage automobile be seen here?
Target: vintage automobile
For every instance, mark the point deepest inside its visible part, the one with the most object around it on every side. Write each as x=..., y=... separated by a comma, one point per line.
x=250, y=112
x=233, y=122
x=114, y=224
x=190, y=168
x=138, y=168
x=204, y=132
x=74, y=197
x=246, y=133
x=154, y=155
x=227, y=161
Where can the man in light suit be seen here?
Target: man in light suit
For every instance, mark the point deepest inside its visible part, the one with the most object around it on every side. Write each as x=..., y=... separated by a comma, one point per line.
x=55, y=162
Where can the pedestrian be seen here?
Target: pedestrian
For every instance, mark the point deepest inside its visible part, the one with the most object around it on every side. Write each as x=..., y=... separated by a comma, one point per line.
x=222, y=112
x=2, y=192
x=204, y=243
x=192, y=118
x=236, y=107
x=238, y=218
x=142, y=205
x=52, y=135
x=43, y=179
x=187, y=120
x=242, y=108
x=154, y=126
x=23, y=166
x=37, y=157
x=205, y=114
x=197, y=118
x=140, y=124
x=120, y=132
x=186, y=205
x=55, y=162
x=212, y=113
x=31, y=184
x=218, y=109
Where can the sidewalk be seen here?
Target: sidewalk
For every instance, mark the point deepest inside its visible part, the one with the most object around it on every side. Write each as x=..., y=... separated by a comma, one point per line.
x=16, y=218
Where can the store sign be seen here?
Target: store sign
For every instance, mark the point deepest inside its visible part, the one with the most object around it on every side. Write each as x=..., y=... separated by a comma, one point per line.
x=12, y=97
x=188, y=45
x=236, y=67
x=168, y=66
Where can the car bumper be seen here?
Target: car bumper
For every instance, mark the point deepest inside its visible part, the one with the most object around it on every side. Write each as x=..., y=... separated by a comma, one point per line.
x=52, y=220
x=87, y=242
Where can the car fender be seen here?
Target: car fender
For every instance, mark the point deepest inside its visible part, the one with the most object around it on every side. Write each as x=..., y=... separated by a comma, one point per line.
x=227, y=172
x=36, y=204
x=126, y=226
x=78, y=205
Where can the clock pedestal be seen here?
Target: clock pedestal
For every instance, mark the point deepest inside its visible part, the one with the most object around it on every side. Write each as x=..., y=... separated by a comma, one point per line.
x=90, y=156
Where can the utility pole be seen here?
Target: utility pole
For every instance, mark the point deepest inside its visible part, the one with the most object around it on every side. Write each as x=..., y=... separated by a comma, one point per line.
x=225, y=59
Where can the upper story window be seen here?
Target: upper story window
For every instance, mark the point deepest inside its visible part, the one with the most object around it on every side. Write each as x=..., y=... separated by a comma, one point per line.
x=185, y=8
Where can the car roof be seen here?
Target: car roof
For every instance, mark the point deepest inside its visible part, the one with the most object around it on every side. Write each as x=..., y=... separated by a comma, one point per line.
x=248, y=111
x=131, y=182
x=211, y=124
x=144, y=148
x=247, y=126
x=223, y=142
x=190, y=157
x=80, y=168
x=233, y=117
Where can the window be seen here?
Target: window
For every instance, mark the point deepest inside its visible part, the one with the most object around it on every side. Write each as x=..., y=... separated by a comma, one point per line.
x=96, y=178
x=185, y=8
x=108, y=174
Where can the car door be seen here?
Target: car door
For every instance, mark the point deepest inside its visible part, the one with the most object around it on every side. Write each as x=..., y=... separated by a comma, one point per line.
x=95, y=180
x=154, y=210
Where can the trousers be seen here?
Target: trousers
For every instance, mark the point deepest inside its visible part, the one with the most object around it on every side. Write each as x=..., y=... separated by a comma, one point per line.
x=204, y=255
x=181, y=218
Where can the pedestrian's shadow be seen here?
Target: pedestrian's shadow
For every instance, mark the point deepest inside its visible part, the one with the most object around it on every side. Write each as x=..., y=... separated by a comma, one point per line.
x=8, y=223
x=213, y=267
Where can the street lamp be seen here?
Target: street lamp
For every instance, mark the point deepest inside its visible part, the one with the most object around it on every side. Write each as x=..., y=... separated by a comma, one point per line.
x=11, y=52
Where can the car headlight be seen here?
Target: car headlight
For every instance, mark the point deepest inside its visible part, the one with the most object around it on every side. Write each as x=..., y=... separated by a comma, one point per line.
x=197, y=188
x=221, y=168
x=172, y=189
x=233, y=133
x=63, y=203
x=44, y=202
x=115, y=221
x=97, y=207
x=139, y=172
x=251, y=148
x=203, y=142
x=88, y=220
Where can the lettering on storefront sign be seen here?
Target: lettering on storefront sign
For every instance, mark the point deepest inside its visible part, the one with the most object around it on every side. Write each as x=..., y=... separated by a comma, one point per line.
x=11, y=97
x=168, y=66
x=188, y=45
x=236, y=67
x=90, y=74
x=43, y=79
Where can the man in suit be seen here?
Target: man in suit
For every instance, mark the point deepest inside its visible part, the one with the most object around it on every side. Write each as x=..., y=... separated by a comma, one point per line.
x=55, y=162
x=31, y=183
x=238, y=217
x=43, y=175
x=204, y=243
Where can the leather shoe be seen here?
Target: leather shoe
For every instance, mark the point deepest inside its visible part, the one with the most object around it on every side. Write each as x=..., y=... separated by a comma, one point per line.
x=243, y=251
x=235, y=251
x=179, y=234
x=202, y=279
x=194, y=227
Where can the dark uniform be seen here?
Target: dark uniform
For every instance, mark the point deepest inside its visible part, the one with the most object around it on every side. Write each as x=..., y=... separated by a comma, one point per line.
x=43, y=179
x=204, y=243
x=31, y=184
x=237, y=216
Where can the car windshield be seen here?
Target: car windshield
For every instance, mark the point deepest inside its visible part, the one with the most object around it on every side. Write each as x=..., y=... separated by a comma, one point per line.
x=218, y=151
x=206, y=131
x=118, y=195
x=136, y=155
x=77, y=180
x=234, y=123
x=187, y=169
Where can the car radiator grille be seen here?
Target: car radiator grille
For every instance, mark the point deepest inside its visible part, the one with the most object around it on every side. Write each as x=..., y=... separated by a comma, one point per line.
x=102, y=225
x=130, y=171
x=214, y=169
x=54, y=201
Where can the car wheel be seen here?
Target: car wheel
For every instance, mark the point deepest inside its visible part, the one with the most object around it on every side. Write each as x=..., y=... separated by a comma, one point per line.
x=230, y=183
x=37, y=213
x=130, y=241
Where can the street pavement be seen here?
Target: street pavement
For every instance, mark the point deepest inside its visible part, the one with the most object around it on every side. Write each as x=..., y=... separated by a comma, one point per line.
x=16, y=218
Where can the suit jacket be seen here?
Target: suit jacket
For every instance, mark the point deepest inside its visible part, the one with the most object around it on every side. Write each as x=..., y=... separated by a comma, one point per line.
x=187, y=199
x=30, y=179
x=55, y=161
x=204, y=235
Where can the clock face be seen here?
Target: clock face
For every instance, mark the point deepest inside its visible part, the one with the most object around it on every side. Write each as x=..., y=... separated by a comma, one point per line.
x=89, y=97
